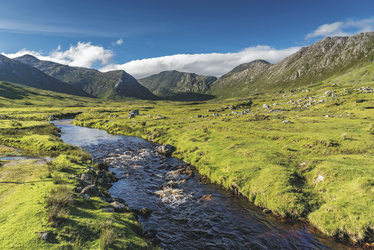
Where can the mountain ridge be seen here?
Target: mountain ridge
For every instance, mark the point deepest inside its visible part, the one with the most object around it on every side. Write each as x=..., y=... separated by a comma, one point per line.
x=176, y=85
x=17, y=72
x=317, y=62
x=117, y=85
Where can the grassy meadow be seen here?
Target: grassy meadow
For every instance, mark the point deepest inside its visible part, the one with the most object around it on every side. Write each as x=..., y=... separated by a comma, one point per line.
x=309, y=154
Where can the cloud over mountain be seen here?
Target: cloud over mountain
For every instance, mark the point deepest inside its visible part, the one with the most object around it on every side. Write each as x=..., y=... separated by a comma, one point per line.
x=81, y=55
x=215, y=64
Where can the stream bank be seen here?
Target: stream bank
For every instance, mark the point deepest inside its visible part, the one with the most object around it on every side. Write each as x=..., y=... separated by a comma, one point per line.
x=187, y=213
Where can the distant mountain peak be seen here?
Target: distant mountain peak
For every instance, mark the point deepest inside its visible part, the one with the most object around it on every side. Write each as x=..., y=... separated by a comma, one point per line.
x=312, y=64
x=29, y=57
x=177, y=85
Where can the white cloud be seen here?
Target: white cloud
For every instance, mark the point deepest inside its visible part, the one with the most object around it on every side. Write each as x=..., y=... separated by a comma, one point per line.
x=119, y=42
x=81, y=55
x=204, y=64
x=345, y=28
x=216, y=64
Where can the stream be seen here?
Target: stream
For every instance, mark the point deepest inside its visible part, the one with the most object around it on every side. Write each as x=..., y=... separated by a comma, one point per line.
x=188, y=212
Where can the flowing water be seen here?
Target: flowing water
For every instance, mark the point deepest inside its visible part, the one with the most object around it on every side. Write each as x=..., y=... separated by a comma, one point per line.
x=188, y=213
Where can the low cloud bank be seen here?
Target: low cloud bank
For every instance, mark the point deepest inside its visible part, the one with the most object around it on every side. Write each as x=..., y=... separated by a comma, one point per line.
x=215, y=64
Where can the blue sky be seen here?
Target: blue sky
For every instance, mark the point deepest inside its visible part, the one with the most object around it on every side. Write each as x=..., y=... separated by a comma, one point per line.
x=145, y=37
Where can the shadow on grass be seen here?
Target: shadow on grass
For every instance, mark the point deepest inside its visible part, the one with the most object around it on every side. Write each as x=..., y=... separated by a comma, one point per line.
x=25, y=182
x=188, y=97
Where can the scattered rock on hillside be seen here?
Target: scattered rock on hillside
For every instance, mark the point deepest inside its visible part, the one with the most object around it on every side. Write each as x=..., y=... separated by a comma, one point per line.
x=319, y=178
x=133, y=113
x=265, y=106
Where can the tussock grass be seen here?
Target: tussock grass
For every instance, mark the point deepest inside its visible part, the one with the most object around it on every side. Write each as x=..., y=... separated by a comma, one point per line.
x=58, y=200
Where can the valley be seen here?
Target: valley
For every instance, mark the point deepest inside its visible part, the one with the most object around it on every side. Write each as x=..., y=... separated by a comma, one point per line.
x=293, y=138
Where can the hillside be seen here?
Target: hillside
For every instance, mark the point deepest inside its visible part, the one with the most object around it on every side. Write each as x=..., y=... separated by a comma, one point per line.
x=18, y=95
x=116, y=85
x=177, y=85
x=310, y=65
x=18, y=72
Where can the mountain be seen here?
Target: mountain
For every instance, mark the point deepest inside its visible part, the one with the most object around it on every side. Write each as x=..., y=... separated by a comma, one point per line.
x=177, y=85
x=332, y=56
x=240, y=78
x=17, y=72
x=109, y=85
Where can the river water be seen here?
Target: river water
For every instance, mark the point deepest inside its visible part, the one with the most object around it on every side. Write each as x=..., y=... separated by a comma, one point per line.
x=188, y=213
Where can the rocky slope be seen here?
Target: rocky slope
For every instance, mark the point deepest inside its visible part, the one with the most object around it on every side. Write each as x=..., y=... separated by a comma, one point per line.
x=17, y=72
x=310, y=65
x=177, y=85
x=109, y=85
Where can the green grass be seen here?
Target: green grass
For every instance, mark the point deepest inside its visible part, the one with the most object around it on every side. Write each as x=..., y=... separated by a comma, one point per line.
x=31, y=203
x=37, y=198
x=274, y=164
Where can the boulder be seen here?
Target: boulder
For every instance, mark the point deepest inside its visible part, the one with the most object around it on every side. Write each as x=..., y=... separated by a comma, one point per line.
x=267, y=211
x=91, y=190
x=102, y=174
x=319, y=178
x=166, y=149
x=43, y=235
x=113, y=199
x=108, y=209
x=265, y=106
x=133, y=113
x=85, y=196
x=86, y=177
x=151, y=235
x=145, y=212
x=119, y=207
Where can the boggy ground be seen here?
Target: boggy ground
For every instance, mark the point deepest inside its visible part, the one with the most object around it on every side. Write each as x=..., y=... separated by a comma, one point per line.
x=306, y=153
